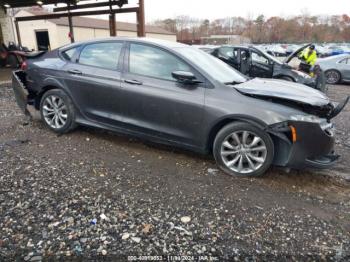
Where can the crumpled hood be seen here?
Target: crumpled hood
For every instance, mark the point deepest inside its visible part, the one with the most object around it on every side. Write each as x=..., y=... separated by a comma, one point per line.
x=283, y=90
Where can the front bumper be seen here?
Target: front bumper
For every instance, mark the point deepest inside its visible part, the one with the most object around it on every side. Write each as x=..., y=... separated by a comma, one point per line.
x=313, y=148
x=318, y=82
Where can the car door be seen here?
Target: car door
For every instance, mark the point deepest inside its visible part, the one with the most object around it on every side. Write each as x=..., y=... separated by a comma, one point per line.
x=94, y=80
x=229, y=55
x=154, y=102
x=260, y=65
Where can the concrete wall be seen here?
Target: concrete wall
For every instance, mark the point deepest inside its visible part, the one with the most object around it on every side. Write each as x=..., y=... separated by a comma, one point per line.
x=6, y=28
x=80, y=34
x=27, y=30
x=58, y=35
x=163, y=37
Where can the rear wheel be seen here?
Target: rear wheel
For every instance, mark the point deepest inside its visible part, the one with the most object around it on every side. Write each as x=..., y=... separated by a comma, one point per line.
x=57, y=111
x=242, y=149
x=332, y=77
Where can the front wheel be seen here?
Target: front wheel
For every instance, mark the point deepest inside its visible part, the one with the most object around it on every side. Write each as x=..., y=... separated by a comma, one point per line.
x=242, y=149
x=57, y=111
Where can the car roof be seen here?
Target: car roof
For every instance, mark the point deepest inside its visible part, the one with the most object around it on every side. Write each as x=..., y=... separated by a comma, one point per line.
x=159, y=42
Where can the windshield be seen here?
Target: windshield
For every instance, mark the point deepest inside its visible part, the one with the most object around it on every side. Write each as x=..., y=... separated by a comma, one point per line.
x=268, y=56
x=212, y=66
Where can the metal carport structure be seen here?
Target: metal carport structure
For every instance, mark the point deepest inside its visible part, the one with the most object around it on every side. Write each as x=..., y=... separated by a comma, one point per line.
x=76, y=8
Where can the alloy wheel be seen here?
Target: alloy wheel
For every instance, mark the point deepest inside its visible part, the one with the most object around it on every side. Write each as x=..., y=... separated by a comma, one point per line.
x=332, y=77
x=243, y=152
x=55, y=112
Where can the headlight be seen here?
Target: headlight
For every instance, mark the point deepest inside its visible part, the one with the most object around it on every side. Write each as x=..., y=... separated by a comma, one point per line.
x=307, y=118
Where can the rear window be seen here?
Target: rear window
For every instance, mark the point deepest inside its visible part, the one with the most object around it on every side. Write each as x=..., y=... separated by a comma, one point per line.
x=68, y=54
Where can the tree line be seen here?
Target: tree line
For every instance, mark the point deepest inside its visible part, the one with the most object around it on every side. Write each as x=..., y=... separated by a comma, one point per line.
x=298, y=29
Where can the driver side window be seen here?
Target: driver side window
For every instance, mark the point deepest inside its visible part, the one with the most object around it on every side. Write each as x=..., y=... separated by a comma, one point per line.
x=259, y=58
x=154, y=62
x=228, y=52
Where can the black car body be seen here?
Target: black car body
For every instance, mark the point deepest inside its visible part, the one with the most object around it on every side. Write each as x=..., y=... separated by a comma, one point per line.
x=175, y=94
x=254, y=62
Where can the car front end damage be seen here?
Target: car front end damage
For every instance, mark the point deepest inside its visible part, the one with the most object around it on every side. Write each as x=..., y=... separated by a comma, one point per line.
x=302, y=139
x=307, y=140
x=301, y=144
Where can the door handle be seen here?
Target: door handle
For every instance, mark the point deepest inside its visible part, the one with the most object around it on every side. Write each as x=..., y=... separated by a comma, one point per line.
x=75, y=72
x=132, y=82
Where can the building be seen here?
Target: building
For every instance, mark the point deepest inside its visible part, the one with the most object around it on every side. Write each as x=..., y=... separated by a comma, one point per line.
x=225, y=40
x=53, y=33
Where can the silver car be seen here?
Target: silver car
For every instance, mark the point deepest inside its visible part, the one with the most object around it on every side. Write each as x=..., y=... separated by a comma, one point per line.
x=336, y=68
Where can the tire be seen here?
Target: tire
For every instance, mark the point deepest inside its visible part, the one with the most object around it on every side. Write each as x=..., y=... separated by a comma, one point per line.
x=55, y=105
x=226, y=143
x=12, y=61
x=287, y=78
x=332, y=77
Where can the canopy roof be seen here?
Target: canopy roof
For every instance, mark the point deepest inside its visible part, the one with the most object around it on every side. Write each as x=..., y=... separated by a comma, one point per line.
x=27, y=3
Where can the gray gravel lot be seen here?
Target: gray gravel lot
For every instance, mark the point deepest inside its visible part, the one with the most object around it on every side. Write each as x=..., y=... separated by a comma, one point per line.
x=93, y=194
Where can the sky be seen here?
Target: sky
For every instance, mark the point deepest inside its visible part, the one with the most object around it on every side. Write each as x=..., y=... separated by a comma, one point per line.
x=161, y=9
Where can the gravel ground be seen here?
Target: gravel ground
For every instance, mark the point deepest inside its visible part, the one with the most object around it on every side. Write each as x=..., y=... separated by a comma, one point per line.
x=96, y=195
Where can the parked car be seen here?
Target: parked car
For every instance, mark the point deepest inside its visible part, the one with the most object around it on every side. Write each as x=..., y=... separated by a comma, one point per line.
x=276, y=50
x=254, y=62
x=12, y=55
x=177, y=94
x=336, y=68
x=338, y=50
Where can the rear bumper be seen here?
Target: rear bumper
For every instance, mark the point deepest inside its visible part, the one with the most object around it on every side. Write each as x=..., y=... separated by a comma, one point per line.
x=20, y=91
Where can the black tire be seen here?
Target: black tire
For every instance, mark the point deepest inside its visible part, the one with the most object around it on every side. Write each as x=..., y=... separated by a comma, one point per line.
x=332, y=77
x=69, y=110
x=287, y=78
x=12, y=61
x=229, y=129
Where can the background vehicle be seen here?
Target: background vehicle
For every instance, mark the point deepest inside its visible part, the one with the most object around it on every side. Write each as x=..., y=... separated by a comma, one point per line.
x=336, y=68
x=12, y=55
x=254, y=62
x=176, y=94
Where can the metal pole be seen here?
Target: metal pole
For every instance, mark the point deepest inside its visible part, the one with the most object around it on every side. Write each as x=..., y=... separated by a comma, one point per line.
x=141, y=28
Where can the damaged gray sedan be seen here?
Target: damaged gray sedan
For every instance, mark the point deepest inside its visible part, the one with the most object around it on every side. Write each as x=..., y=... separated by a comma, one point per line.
x=175, y=94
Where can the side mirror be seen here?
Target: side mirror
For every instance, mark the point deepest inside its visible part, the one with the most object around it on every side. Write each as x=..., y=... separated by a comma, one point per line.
x=185, y=77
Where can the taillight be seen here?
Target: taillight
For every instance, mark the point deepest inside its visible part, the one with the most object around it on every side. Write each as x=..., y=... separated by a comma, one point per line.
x=24, y=66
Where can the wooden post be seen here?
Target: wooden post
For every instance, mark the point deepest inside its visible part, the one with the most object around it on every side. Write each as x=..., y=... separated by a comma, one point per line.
x=19, y=41
x=70, y=24
x=141, y=28
x=112, y=25
x=71, y=30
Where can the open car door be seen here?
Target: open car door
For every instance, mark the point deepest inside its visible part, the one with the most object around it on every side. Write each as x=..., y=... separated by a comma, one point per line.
x=260, y=65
